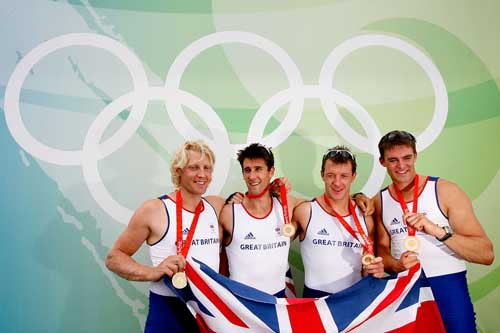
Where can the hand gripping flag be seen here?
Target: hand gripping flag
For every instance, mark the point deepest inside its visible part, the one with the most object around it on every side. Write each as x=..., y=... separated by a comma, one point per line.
x=401, y=303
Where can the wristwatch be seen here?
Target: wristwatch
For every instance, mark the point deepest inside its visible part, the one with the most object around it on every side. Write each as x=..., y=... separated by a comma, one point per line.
x=448, y=234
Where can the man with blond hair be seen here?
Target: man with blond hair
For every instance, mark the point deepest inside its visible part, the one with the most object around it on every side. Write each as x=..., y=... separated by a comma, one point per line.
x=165, y=224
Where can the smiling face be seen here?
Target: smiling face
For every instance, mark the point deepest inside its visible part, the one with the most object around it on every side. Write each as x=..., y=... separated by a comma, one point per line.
x=196, y=175
x=338, y=178
x=400, y=164
x=256, y=174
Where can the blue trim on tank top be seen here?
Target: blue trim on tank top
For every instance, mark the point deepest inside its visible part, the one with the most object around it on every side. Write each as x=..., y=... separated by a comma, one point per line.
x=208, y=202
x=232, y=232
x=382, y=207
x=435, y=179
x=308, y=222
x=168, y=220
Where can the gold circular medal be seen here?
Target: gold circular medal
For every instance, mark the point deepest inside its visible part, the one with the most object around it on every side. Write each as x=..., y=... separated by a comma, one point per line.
x=179, y=280
x=367, y=258
x=411, y=243
x=288, y=230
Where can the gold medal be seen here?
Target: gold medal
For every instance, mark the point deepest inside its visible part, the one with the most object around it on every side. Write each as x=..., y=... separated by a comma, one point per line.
x=367, y=258
x=288, y=230
x=179, y=280
x=411, y=243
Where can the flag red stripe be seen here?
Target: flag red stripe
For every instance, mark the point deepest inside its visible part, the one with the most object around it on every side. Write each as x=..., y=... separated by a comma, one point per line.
x=301, y=309
x=202, y=325
x=401, y=283
x=291, y=287
x=397, y=291
x=209, y=293
x=428, y=320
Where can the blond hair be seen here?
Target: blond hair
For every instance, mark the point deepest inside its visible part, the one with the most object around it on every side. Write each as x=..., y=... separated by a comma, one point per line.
x=181, y=157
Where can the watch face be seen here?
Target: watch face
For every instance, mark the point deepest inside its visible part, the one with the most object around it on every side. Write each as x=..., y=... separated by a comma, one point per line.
x=448, y=234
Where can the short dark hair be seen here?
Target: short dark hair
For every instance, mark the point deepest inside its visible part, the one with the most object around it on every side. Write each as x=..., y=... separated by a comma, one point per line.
x=396, y=138
x=254, y=151
x=339, y=155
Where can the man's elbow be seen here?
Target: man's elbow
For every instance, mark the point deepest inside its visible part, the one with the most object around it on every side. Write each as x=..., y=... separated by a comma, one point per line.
x=110, y=261
x=489, y=257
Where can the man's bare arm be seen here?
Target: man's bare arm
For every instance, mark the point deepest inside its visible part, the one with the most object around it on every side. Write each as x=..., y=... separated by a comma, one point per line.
x=469, y=239
x=119, y=259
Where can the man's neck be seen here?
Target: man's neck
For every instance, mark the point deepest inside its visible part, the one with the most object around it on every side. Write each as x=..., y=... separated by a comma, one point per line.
x=258, y=206
x=341, y=206
x=405, y=187
x=189, y=200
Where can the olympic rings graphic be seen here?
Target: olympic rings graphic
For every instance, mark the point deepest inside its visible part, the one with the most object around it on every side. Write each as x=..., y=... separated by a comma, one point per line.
x=13, y=91
x=173, y=97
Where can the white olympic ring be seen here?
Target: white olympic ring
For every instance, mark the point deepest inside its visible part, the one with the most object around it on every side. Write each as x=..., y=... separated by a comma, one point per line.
x=441, y=104
x=13, y=92
x=173, y=97
x=291, y=119
x=220, y=143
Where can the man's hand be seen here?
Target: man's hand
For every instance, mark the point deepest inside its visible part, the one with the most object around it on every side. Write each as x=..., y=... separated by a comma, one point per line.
x=235, y=198
x=366, y=204
x=420, y=222
x=375, y=268
x=278, y=182
x=169, y=266
x=407, y=260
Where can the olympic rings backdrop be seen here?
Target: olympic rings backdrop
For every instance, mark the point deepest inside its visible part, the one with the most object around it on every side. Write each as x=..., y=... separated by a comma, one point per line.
x=96, y=95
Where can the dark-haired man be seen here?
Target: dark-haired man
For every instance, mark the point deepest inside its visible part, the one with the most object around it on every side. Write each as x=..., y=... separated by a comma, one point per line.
x=429, y=220
x=257, y=252
x=334, y=235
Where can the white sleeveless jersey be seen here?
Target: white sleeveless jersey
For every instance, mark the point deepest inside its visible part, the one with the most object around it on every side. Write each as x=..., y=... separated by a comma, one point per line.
x=204, y=246
x=258, y=254
x=331, y=256
x=436, y=258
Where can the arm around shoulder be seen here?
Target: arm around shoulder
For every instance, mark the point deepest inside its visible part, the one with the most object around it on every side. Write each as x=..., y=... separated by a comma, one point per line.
x=300, y=218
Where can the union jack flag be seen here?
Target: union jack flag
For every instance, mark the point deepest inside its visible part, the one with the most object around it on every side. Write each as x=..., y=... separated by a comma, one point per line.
x=401, y=303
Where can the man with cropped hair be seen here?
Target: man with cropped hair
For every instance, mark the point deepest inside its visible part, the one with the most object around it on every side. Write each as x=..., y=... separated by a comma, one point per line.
x=429, y=220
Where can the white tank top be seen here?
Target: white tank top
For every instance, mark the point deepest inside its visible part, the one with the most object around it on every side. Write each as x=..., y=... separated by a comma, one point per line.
x=436, y=258
x=258, y=254
x=331, y=256
x=204, y=246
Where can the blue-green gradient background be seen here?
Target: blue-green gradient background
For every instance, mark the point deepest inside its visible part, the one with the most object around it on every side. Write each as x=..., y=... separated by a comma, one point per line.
x=55, y=236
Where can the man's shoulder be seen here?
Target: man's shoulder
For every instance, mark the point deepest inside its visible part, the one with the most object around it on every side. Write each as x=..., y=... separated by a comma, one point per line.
x=151, y=206
x=448, y=191
x=445, y=186
x=304, y=207
x=216, y=201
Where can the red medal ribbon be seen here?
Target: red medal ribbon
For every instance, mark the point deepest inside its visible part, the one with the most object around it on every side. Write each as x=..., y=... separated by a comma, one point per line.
x=258, y=195
x=284, y=201
x=284, y=204
x=402, y=202
x=367, y=243
x=183, y=249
